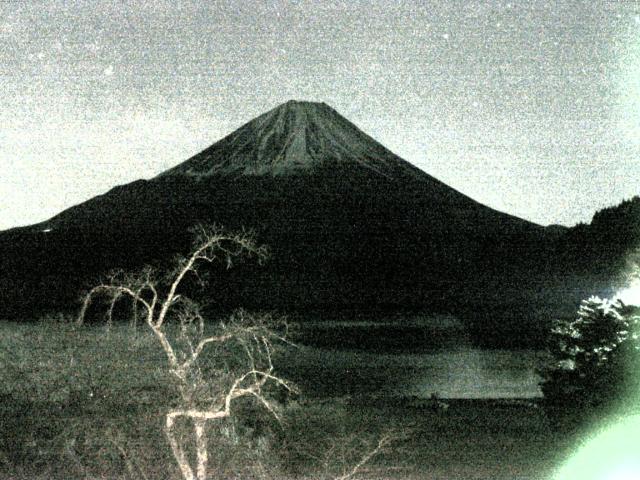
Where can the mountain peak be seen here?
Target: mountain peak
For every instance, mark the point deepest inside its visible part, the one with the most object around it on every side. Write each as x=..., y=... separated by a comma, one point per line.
x=293, y=138
x=302, y=106
x=301, y=103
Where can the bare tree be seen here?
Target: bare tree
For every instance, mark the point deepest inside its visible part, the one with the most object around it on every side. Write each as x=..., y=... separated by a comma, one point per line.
x=383, y=441
x=345, y=456
x=207, y=392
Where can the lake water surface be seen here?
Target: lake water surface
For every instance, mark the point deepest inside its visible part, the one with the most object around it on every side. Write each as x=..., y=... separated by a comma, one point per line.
x=457, y=370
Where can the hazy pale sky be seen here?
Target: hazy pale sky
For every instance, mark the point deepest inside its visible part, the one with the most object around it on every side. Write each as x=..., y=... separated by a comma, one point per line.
x=532, y=108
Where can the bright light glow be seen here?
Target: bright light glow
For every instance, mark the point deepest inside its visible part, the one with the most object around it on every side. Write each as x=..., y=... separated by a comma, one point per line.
x=611, y=455
x=625, y=472
x=631, y=294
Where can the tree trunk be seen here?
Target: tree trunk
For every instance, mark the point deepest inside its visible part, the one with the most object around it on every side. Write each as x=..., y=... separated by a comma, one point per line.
x=201, y=448
x=178, y=452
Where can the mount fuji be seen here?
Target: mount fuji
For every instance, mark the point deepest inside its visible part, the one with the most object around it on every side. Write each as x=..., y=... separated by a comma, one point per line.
x=350, y=225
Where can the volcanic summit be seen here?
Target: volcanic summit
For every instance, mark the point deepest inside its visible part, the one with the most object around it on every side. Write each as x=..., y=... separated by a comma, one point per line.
x=350, y=226
x=296, y=137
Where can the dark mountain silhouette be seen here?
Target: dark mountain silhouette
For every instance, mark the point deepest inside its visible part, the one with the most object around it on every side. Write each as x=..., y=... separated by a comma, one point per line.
x=351, y=226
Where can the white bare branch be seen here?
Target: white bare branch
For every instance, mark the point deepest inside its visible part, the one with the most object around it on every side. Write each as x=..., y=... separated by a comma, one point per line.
x=161, y=300
x=200, y=347
x=384, y=440
x=112, y=291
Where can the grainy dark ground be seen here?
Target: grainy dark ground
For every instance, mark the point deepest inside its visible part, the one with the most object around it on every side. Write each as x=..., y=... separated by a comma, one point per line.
x=476, y=439
x=86, y=403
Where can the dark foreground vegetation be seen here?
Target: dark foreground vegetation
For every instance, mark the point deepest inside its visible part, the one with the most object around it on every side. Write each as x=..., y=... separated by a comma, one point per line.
x=593, y=370
x=89, y=402
x=196, y=399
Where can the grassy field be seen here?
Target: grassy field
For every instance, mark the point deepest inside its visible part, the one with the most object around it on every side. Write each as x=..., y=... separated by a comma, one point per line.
x=87, y=402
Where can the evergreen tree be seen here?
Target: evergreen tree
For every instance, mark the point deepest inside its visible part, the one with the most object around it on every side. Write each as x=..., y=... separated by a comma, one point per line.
x=594, y=358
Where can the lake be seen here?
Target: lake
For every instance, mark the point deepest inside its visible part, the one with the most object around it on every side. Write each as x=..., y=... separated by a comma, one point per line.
x=448, y=364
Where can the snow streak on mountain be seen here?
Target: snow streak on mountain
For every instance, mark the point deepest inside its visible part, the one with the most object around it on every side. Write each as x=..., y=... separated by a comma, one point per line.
x=292, y=138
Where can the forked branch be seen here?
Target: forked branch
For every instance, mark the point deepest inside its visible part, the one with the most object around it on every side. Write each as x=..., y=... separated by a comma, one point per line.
x=161, y=300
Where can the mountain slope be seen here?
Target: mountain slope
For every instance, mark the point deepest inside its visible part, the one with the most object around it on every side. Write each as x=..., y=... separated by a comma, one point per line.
x=294, y=138
x=349, y=223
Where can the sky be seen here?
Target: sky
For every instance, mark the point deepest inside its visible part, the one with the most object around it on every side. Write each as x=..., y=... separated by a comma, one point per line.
x=532, y=108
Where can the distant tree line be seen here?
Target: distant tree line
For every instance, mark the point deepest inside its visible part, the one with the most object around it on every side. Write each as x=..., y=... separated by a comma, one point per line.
x=604, y=244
